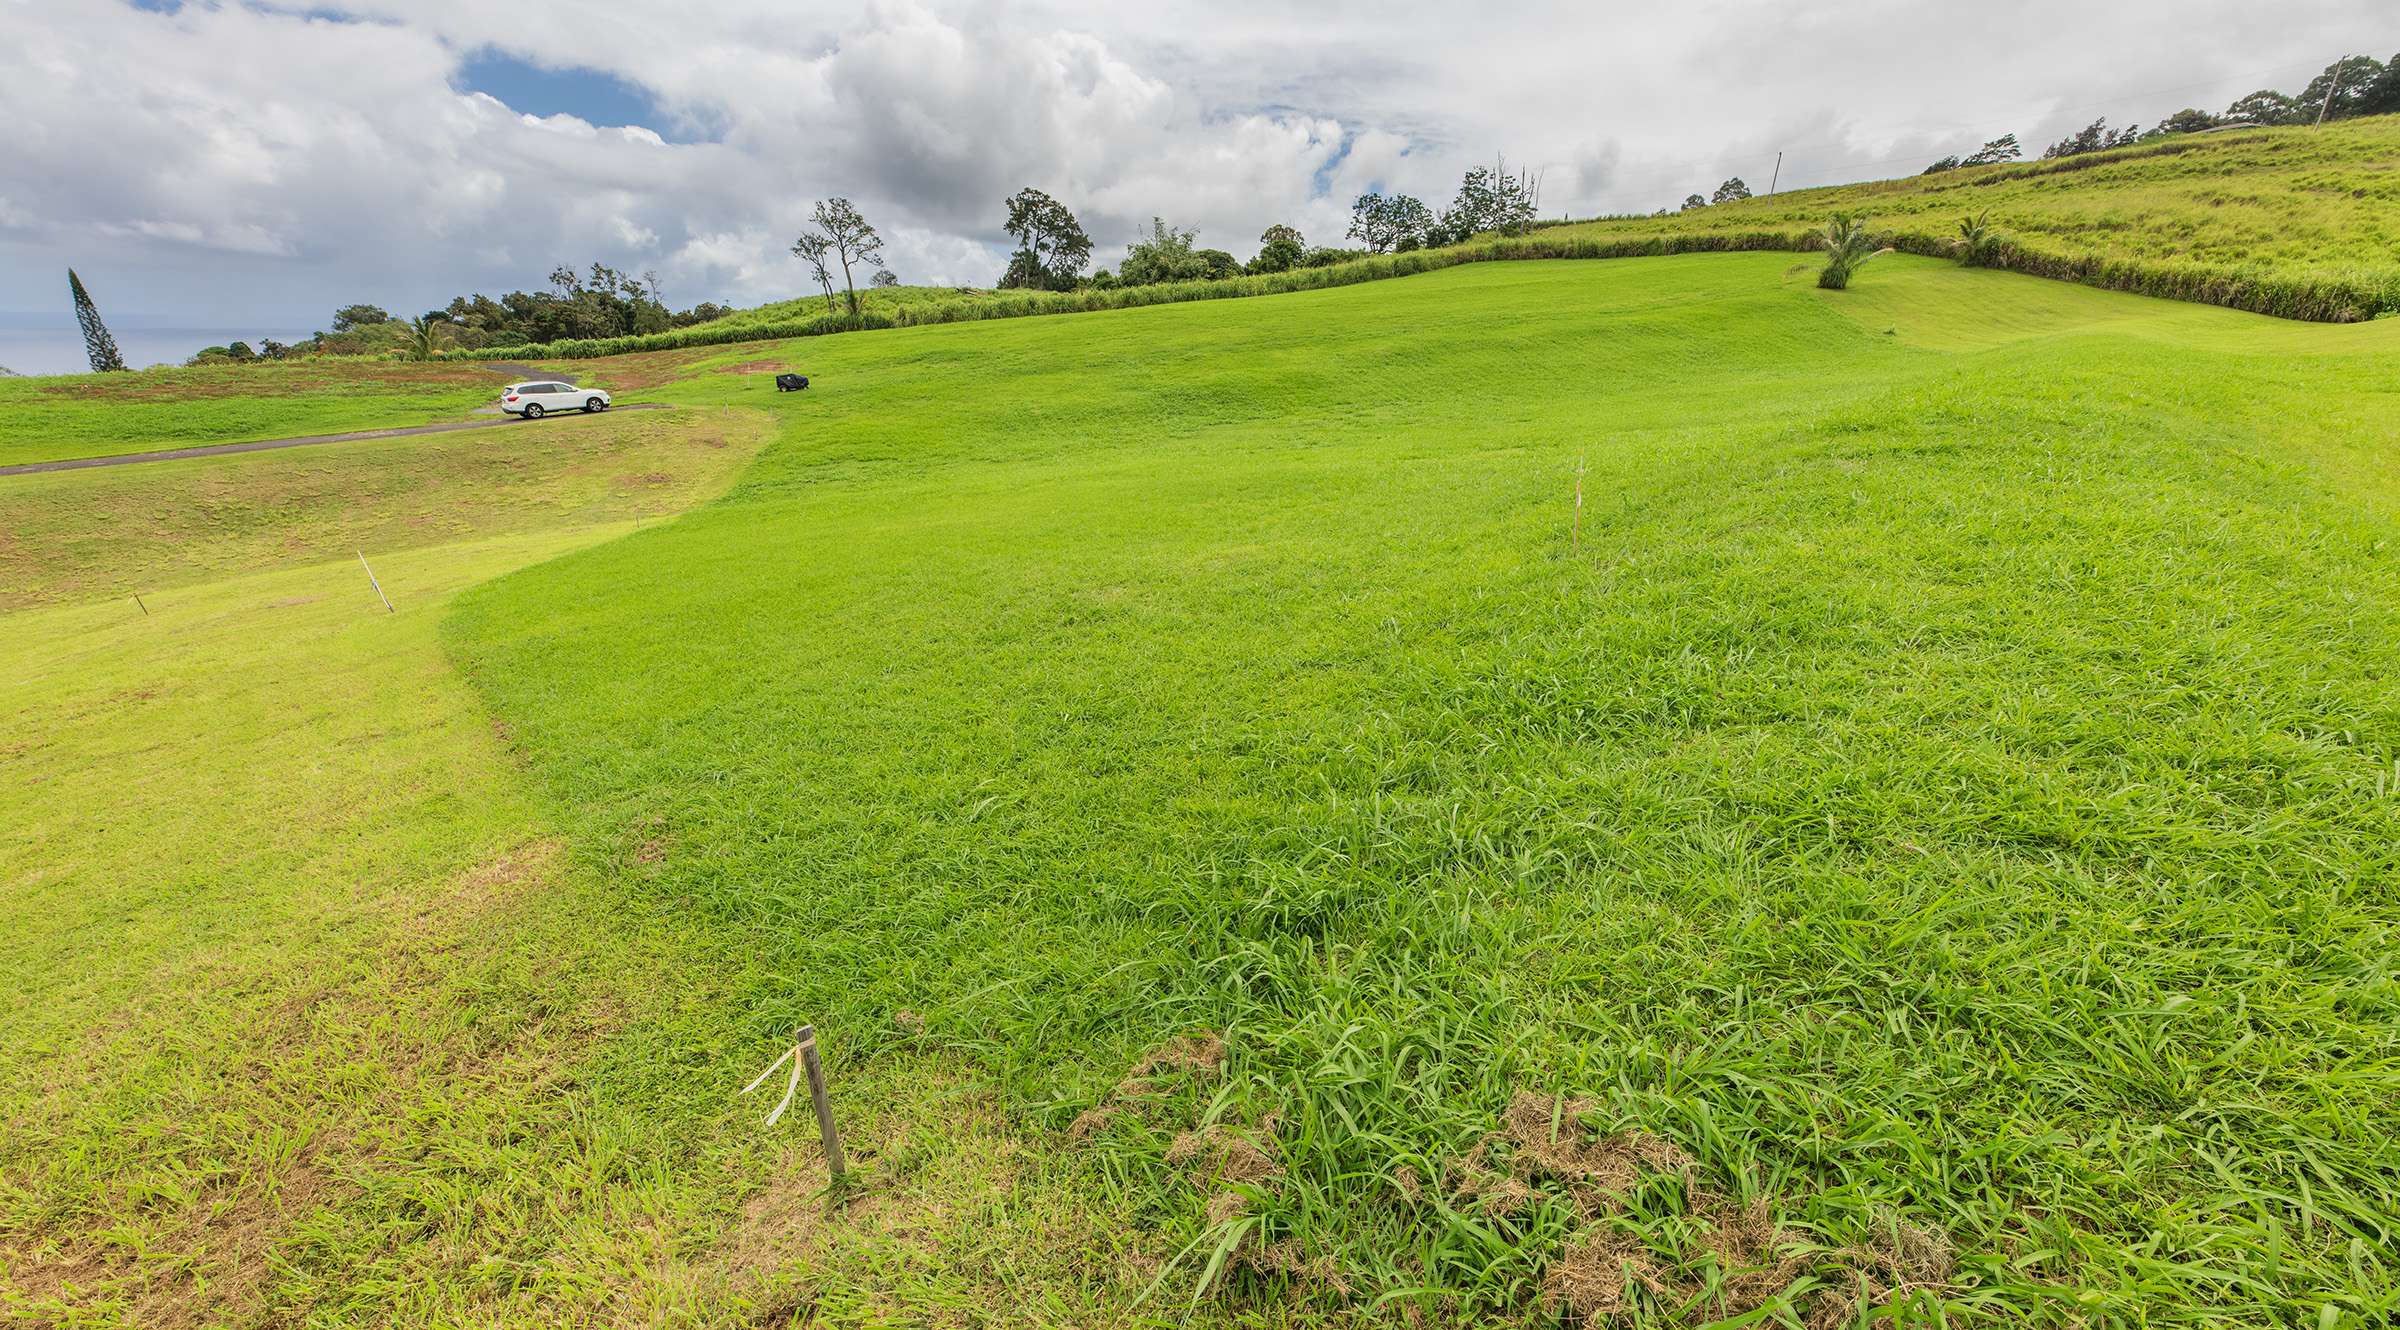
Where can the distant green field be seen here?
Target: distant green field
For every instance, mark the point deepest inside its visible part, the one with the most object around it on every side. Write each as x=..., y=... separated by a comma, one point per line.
x=1948, y=792
x=98, y=415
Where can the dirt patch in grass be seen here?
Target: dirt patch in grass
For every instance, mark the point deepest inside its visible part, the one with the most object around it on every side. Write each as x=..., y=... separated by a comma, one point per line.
x=755, y=367
x=645, y=369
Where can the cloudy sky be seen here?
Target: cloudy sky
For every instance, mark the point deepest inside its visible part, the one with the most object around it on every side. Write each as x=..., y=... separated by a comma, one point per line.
x=231, y=164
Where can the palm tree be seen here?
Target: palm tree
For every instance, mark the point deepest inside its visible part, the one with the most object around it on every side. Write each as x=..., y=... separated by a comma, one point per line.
x=1978, y=243
x=421, y=341
x=1847, y=248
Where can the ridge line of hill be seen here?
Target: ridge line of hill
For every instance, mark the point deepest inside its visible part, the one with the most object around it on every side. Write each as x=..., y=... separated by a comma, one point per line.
x=2279, y=202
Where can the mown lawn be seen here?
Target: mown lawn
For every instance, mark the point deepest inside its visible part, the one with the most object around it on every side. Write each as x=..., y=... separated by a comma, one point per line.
x=143, y=528
x=99, y=415
x=1946, y=798
x=314, y=1020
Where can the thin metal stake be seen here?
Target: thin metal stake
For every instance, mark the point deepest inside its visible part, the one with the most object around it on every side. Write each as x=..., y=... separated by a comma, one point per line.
x=137, y=599
x=387, y=600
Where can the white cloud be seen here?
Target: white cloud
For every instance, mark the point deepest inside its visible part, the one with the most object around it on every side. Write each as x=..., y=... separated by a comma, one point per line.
x=254, y=159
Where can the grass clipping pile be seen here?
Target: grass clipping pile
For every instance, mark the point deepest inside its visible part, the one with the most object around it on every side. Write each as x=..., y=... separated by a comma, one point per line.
x=1744, y=1260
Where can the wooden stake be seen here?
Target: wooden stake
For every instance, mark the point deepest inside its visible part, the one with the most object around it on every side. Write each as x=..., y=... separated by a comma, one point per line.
x=387, y=600
x=137, y=599
x=835, y=1164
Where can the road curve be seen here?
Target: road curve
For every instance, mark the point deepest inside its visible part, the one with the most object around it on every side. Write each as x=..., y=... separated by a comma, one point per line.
x=303, y=441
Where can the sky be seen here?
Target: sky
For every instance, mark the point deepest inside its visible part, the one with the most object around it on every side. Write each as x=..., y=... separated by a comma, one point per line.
x=246, y=164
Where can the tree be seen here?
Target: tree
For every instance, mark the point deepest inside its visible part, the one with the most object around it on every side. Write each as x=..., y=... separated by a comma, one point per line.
x=1490, y=199
x=350, y=318
x=2263, y=107
x=1390, y=222
x=1051, y=246
x=2189, y=120
x=98, y=346
x=1945, y=164
x=1164, y=255
x=1280, y=249
x=1847, y=248
x=884, y=277
x=1978, y=243
x=2092, y=138
x=816, y=251
x=849, y=238
x=2337, y=93
x=1732, y=191
x=2001, y=149
x=2382, y=97
x=426, y=334
x=1693, y=203
x=1214, y=265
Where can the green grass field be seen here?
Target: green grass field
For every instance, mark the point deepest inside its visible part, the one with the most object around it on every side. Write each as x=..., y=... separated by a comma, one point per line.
x=99, y=415
x=1916, y=842
x=121, y=531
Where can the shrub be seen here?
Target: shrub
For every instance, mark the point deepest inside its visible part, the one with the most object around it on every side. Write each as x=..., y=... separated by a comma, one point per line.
x=1847, y=248
x=1978, y=243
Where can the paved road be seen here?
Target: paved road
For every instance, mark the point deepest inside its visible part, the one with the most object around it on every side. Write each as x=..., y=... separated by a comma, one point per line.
x=307, y=440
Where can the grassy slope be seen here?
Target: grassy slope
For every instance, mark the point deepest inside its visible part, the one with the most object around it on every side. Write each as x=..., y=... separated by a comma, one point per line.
x=97, y=415
x=2293, y=201
x=1953, y=781
x=313, y=1021
x=116, y=531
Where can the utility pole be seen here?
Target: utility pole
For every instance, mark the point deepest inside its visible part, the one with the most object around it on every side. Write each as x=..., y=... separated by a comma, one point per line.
x=1778, y=178
x=2336, y=87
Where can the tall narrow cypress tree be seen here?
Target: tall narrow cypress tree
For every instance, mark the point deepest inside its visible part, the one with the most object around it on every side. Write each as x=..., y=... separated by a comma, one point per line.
x=97, y=344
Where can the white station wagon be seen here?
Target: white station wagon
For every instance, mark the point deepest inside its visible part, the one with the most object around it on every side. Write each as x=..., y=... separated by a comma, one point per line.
x=533, y=400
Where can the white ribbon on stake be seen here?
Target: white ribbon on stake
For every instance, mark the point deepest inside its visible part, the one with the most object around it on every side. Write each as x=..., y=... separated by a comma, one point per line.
x=791, y=1088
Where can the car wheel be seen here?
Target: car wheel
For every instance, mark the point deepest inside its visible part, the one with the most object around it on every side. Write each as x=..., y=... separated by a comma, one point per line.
x=594, y=404
x=533, y=411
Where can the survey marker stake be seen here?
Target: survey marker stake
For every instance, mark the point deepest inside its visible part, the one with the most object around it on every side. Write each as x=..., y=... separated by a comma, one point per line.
x=803, y=1057
x=1579, y=504
x=387, y=600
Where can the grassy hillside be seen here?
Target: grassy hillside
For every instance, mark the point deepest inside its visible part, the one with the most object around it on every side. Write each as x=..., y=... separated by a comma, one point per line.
x=2300, y=199
x=314, y=1019
x=1927, y=841
x=98, y=415
x=2302, y=206
x=2293, y=222
x=77, y=535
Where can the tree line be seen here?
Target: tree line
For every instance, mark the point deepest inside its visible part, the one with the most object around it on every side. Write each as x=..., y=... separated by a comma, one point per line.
x=1052, y=248
x=2352, y=86
x=598, y=302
